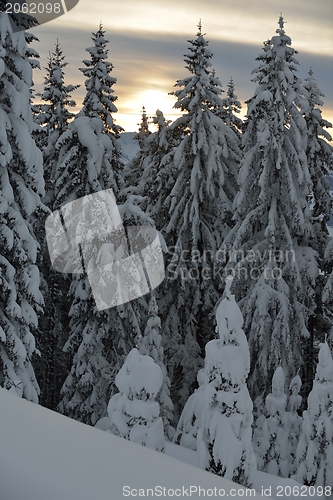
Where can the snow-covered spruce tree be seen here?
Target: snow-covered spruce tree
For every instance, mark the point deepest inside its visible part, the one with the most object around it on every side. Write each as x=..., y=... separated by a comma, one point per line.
x=21, y=185
x=54, y=114
x=190, y=419
x=100, y=96
x=53, y=118
x=272, y=454
x=155, y=180
x=327, y=294
x=315, y=448
x=319, y=154
x=150, y=344
x=144, y=131
x=203, y=168
x=277, y=431
x=134, y=411
x=89, y=162
x=135, y=167
x=231, y=106
x=294, y=421
x=224, y=442
x=320, y=159
x=92, y=133
x=35, y=109
x=273, y=236
x=320, y=163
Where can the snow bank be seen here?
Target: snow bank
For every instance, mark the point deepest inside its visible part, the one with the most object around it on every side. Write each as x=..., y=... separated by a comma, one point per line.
x=44, y=455
x=267, y=484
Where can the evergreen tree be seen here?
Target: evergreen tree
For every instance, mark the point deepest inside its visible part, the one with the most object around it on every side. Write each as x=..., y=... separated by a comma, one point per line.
x=190, y=420
x=315, y=448
x=100, y=96
x=36, y=133
x=320, y=163
x=21, y=185
x=294, y=421
x=327, y=294
x=134, y=168
x=93, y=130
x=54, y=117
x=203, y=169
x=320, y=159
x=272, y=452
x=319, y=154
x=277, y=434
x=272, y=240
x=134, y=411
x=155, y=180
x=89, y=162
x=144, y=131
x=150, y=344
x=230, y=108
x=224, y=442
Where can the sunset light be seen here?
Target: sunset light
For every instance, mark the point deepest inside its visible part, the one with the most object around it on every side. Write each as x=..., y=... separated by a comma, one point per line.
x=147, y=43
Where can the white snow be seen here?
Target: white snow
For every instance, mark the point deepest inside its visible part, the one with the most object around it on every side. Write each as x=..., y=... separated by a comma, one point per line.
x=266, y=484
x=46, y=456
x=133, y=412
x=190, y=419
x=225, y=434
x=315, y=447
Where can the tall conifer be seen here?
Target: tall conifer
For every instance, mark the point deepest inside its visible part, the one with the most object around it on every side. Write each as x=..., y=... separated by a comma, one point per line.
x=21, y=185
x=273, y=237
x=89, y=161
x=199, y=188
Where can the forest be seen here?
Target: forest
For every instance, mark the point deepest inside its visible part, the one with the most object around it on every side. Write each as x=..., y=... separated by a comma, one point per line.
x=231, y=355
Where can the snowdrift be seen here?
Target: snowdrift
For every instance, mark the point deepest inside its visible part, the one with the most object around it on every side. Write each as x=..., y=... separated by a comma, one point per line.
x=46, y=456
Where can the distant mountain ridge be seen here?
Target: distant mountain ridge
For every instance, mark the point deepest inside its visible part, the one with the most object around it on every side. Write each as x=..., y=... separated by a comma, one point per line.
x=129, y=146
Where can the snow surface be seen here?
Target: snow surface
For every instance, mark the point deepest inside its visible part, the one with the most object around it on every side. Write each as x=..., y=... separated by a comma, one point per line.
x=47, y=456
x=264, y=482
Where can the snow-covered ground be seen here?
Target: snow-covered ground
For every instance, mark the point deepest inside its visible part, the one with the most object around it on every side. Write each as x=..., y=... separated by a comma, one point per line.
x=266, y=484
x=46, y=456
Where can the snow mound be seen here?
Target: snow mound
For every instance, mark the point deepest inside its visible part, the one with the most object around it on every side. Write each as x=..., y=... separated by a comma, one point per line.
x=45, y=455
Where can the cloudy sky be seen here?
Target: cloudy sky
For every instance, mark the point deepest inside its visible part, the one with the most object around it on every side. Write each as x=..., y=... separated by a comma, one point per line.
x=148, y=40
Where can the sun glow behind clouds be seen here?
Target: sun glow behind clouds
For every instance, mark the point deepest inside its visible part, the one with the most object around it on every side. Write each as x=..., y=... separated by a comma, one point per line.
x=151, y=100
x=148, y=41
x=241, y=22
